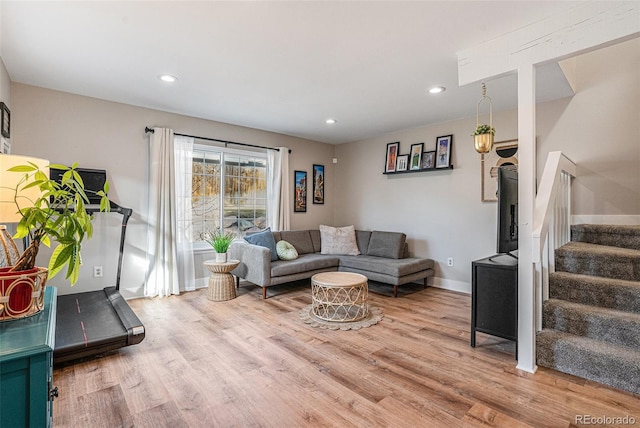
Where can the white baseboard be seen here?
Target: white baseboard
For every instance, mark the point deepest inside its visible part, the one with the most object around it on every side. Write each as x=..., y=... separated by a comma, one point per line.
x=449, y=284
x=632, y=220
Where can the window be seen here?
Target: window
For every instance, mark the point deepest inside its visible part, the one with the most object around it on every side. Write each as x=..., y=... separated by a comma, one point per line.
x=229, y=190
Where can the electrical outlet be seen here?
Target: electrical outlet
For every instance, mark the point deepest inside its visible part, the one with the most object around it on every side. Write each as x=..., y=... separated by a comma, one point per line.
x=450, y=261
x=97, y=271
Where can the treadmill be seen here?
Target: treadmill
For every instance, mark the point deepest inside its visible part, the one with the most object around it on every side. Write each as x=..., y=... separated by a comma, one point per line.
x=99, y=321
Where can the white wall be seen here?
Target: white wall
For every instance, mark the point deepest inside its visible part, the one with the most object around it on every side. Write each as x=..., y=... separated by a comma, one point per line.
x=441, y=212
x=599, y=129
x=67, y=128
x=5, y=85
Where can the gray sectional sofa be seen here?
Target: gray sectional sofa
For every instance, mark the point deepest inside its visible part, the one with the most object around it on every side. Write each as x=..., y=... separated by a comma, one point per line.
x=383, y=258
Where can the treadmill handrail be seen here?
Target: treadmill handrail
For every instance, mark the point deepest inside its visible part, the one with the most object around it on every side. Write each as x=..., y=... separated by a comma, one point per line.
x=126, y=214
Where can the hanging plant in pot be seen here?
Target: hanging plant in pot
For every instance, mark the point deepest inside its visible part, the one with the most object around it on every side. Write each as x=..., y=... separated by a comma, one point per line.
x=483, y=138
x=483, y=135
x=220, y=241
x=57, y=214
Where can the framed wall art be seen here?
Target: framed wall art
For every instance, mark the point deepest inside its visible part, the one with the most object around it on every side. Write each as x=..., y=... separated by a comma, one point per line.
x=392, y=154
x=300, y=192
x=443, y=151
x=415, y=156
x=5, y=120
x=403, y=160
x=428, y=160
x=502, y=153
x=318, y=184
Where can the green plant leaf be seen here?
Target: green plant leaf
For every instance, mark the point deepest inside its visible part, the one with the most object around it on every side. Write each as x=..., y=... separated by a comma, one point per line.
x=58, y=260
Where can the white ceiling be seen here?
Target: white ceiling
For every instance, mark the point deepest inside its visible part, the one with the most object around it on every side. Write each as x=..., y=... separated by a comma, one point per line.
x=277, y=66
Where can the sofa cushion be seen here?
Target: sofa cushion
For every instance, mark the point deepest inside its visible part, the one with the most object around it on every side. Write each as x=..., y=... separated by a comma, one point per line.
x=392, y=267
x=386, y=244
x=315, y=238
x=264, y=238
x=286, y=251
x=362, y=238
x=301, y=239
x=304, y=263
x=338, y=240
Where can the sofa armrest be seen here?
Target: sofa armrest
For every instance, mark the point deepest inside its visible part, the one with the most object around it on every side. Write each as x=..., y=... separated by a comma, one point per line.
x=255, y=262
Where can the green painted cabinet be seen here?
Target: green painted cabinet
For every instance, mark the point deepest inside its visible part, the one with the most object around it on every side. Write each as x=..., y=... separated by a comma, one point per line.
x=26, y=368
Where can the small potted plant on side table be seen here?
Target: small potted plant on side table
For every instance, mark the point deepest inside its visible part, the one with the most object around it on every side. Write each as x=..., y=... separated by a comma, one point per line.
x=221, y=282
x=220, y=241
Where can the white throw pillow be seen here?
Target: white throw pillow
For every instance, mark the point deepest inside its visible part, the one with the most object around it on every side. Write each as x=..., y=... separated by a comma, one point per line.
x=338, y=240
x=286, y=251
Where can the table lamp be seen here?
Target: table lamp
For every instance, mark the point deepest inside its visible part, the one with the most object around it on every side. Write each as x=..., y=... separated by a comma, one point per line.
x=11, y=201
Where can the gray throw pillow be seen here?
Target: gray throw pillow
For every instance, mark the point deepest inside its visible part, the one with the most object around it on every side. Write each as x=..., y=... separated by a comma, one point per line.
x=264, y=238
x=387, y=244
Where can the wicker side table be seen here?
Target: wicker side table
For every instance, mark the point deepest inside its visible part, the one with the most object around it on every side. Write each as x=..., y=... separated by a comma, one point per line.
x=339, y=296
x=221, y=282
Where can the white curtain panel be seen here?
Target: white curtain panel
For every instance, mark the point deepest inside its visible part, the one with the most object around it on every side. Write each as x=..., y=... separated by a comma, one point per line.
x=278, y=189
x=169, y=258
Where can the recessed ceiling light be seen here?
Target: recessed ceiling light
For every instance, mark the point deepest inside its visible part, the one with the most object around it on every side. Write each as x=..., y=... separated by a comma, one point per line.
x=168, y=78
x=330, y=121
x=437, y=89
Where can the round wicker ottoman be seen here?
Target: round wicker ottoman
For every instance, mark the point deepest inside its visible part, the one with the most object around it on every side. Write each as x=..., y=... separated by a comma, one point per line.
x=221, y=282
x=339, y=296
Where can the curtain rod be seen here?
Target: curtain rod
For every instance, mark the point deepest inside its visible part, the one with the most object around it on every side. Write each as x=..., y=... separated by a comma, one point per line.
x=147, y=129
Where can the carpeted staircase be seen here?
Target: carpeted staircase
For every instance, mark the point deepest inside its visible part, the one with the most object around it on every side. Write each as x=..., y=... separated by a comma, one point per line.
x=591, y=322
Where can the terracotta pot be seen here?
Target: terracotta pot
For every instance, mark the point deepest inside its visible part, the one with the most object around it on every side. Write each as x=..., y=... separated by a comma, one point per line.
x=22, y=292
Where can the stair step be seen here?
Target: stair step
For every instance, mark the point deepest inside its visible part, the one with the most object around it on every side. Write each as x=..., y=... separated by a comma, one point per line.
x=598, y=260
x=616, y=366
x=604, y=234
x=596, y=291
x=616, y=327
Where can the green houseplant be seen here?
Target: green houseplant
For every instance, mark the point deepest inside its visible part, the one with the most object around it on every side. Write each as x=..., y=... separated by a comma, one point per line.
x=484, y=129
x=220, y=241
x=58, y=214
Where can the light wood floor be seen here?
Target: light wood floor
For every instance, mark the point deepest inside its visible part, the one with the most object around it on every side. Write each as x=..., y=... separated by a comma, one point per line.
x=254, y=363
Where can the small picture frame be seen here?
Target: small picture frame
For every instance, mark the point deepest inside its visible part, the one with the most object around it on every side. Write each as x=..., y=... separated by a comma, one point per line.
x=415, y=157
x=318, y=184
x=428, y=160
x=402, y=163
x=392, y=154
x=5, y=148
x=5, y=120
x=443, y=151
x=300, y=192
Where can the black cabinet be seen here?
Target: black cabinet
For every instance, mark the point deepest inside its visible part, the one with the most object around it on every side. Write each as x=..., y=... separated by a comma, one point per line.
x=494, y=297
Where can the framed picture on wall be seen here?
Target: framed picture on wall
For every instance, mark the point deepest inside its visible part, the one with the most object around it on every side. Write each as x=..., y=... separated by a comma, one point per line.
x=403, y=160
x=428, y=160
x=415, y=157
x=443, y=151
x=318, y=184
x=5, y=120
x=300, y=192
x=392, y=154
x=503, y=153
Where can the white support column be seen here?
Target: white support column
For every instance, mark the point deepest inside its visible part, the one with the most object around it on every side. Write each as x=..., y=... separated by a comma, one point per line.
x=526, y=203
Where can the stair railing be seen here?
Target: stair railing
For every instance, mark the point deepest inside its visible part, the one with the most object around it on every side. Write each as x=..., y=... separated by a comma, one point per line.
x=551, y=222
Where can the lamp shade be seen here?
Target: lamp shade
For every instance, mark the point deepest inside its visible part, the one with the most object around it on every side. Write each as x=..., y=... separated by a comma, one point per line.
x=9, y=181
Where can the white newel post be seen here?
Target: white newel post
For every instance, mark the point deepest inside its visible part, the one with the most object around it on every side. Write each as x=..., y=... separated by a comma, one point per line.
x=526, y=203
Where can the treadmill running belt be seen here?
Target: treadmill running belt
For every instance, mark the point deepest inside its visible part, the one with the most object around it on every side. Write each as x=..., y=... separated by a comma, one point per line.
x=94, y=322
